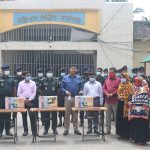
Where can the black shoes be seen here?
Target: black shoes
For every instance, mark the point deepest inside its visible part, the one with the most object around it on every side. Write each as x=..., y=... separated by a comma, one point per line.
x=77, y=132
x=25, y=133
x=55, y=132
x=9, y=133
x=45, y=132
x=65, y=132
x=89, y=131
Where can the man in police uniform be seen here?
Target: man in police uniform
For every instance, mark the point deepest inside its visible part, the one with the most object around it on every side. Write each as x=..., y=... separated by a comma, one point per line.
x=61, y=95
x=39, y=89
x=105, y=73
x=50, y=87
x=84, y=78
x=7, y=89
x=99, y=76
x=18, y=77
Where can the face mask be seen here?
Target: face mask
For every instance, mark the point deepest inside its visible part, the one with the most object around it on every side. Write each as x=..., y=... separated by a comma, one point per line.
x=133, y=74
x=92, y=79
x=49, y=75
x=118, y=74
x=123, y=80
x=19, y=73
x=98, y=73
x=6, y=73
x=140, y=74
x=112, y=75
x=105, y=75
x=27, y=78
x=40, y=75
x=63, y=74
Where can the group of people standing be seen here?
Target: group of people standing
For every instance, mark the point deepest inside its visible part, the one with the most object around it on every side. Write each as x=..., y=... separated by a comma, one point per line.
x=112, y=88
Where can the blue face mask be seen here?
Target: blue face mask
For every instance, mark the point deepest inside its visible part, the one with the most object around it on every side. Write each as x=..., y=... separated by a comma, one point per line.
x=63, y=74
x=118, y=74
x=123, y=80
x=27, y=78
x=98, y=73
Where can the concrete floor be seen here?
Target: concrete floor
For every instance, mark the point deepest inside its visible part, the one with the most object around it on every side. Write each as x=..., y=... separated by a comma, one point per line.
x=70, y=142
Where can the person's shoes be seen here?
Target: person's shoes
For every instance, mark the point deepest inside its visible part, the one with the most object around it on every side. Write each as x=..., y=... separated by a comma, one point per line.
x=107, y=132
x=1, y=135
x=89, y=131
x=77, y=132
x=65, y=132
x=9, y=133
x=55, y=132
x=60, y=124
x=45, y=132
x=97, y=132
x=25, y=133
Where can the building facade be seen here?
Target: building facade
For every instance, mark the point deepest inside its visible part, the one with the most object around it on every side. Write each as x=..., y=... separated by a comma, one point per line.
x=59, y=33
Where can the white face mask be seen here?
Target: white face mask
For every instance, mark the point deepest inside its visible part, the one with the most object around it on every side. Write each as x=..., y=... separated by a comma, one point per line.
x=98, y=73
x=92, y=79
x=49, y=75
x=6, y=73
x=19, y=73
x=123, y=80
x=40, y=75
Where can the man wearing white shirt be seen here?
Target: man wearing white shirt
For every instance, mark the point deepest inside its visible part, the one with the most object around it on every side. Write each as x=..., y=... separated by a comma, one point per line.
x=93, y=88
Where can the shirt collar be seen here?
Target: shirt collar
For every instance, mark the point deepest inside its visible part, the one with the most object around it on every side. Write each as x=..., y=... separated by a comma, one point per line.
x=92, y=82
x=71, y=76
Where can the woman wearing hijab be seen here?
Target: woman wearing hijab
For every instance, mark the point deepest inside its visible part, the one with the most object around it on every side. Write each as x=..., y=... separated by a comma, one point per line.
x=124, y=96
x=139, y=112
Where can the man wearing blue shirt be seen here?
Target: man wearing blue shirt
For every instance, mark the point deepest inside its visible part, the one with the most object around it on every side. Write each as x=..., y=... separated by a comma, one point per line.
x=71, y=85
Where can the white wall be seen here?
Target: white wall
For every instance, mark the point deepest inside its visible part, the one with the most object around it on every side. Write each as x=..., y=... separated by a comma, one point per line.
x=116, y=26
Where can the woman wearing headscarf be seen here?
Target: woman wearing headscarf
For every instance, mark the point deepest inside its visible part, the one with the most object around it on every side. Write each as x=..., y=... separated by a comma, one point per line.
x=139, y=112
x=124, y=95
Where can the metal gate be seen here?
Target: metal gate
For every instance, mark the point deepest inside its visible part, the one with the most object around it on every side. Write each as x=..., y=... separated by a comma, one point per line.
x=32, y=60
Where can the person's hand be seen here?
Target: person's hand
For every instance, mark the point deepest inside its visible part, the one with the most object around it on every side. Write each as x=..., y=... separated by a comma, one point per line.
x=68, y=93
x=81, y=93
x=108, y=95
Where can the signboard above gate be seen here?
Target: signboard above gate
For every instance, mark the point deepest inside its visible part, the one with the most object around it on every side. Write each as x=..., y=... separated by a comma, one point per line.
x=67, y=17
x=83, y=19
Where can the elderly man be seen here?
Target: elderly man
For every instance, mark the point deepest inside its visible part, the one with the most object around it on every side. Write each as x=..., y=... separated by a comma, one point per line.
x=71, y=85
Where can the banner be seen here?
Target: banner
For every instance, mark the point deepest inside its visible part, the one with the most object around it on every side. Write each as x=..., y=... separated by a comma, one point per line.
x=83, y=101
x=20, y=18
x=139, y=107
x=14, y=102
x=48, y=101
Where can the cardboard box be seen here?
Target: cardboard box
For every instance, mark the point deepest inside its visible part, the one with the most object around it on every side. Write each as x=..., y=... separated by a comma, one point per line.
x=83, y=101
x=14, y=102
x=48, y=101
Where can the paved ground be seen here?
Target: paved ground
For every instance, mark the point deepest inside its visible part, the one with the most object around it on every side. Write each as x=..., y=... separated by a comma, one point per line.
x=70, y=142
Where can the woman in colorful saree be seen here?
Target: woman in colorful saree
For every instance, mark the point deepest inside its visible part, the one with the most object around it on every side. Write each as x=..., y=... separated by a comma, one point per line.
x=124, y=96
x=139, y=112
